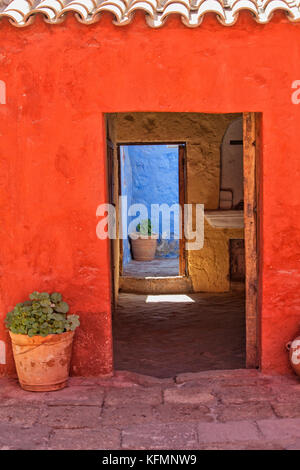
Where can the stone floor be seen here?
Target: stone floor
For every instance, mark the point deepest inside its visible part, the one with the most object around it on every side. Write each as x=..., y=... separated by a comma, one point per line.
x=156, y=268
x=164, y=335
x=237, y=409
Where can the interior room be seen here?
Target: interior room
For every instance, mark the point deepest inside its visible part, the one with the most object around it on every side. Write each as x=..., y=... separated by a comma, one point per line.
x=184, y=311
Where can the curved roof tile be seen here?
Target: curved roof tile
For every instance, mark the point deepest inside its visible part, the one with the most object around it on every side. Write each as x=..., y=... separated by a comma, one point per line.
x=22, y=12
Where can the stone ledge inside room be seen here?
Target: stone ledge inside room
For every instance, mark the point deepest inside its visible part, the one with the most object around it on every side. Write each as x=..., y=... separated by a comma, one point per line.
x=157, y=268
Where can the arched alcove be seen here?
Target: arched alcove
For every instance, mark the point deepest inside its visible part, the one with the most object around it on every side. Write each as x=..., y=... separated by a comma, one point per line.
x=231, y=168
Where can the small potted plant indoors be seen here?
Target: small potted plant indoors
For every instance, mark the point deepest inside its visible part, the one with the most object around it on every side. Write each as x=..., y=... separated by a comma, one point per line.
x=144, y=241
x=42, y=334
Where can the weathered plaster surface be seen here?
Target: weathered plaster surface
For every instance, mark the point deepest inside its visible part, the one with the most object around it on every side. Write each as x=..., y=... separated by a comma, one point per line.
x=60, y=80
x=203, y=135
x=209, y=268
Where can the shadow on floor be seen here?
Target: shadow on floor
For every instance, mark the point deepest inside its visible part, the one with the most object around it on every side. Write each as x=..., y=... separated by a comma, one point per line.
x=164, y=335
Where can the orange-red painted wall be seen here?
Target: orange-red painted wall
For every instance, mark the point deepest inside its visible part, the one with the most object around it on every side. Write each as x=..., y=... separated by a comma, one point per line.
x=60, y=80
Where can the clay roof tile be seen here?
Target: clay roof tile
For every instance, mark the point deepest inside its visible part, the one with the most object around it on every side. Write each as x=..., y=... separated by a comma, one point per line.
x=22, y=12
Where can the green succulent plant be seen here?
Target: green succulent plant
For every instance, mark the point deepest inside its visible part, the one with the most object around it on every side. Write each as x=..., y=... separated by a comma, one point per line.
x=44, y=314
x=144, y=227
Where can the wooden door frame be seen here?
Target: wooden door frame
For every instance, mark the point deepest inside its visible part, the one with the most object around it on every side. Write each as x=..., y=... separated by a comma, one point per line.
x=252, y=226
x=110, y=193
x=182, y=200
x=120, y=267
x=181, y=193
x=252, y=164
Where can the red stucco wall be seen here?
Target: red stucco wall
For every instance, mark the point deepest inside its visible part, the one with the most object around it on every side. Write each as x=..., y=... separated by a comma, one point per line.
x=60, y=80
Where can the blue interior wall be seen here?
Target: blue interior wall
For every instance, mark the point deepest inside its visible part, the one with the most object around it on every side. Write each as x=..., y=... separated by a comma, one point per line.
x=126, y=190
x=149, y=175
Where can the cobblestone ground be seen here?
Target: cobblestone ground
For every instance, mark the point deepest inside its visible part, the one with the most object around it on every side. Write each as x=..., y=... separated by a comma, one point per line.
x=237, y=409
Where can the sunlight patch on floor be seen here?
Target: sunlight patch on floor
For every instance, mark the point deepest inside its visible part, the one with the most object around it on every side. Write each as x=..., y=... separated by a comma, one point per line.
x=169, y=298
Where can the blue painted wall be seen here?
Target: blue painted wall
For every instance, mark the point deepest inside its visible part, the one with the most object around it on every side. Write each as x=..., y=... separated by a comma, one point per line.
x=126, y=190
x=149, y=175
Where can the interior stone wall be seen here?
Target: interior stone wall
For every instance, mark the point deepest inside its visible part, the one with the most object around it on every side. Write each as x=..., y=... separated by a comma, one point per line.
x=209, y=267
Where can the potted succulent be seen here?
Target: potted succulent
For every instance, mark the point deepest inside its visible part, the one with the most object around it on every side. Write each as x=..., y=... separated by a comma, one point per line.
x=144, y=241
x=42, y=336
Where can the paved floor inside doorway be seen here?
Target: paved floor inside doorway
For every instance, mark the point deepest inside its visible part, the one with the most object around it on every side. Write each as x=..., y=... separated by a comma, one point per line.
x=164, y=267
x=165, y=335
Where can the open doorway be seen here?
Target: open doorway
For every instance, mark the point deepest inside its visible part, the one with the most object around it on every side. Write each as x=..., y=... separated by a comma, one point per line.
x=150, y=181
x=203, y=314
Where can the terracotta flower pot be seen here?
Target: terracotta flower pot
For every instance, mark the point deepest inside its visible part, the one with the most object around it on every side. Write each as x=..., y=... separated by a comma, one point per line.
x=293, y=348
x=42, y=363
x=144, y=248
